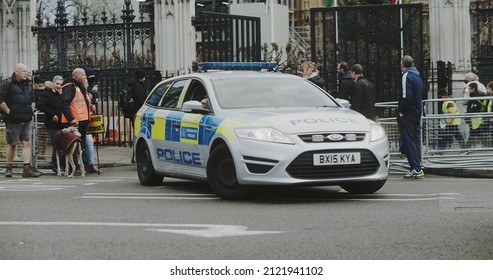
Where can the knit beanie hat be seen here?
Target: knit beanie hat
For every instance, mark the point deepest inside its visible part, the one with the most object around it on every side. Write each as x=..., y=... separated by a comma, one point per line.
x=89, y=72
x=139, y=74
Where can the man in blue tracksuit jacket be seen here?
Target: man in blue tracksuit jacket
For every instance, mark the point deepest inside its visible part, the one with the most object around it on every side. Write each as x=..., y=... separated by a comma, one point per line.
x=409, y=115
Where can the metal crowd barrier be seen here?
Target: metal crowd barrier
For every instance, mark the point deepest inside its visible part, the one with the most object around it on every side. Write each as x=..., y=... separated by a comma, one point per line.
x=440, y=140
x=41, y=151
x=41, y=144
x=439, y=147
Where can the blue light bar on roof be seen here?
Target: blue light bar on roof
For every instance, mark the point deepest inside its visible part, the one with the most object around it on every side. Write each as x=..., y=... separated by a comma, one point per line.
x=237, y=65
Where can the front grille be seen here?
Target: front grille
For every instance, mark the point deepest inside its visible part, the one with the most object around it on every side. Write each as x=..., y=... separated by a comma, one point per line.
x=326, y=137
x=302, y=167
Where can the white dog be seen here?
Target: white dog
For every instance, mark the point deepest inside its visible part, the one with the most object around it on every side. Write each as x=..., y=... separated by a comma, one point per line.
x=68, y=141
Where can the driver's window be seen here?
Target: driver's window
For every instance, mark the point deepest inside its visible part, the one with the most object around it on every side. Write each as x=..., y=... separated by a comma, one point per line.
x=196, y=91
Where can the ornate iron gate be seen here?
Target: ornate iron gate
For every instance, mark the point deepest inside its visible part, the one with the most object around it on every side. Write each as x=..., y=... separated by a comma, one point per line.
x=98, y=39
x=375, y=36
x=482, y=46
x=225, y=37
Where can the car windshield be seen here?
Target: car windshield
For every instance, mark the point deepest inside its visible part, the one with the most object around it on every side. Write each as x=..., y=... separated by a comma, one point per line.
x=269, y=92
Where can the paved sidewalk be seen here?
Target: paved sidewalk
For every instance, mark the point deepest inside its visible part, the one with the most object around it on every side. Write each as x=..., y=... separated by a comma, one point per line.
x=109, y=156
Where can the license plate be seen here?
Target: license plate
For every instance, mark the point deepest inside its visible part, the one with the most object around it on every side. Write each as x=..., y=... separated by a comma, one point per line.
x=336, y=159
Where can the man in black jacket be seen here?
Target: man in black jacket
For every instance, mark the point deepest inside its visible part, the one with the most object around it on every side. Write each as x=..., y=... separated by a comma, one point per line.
x=363, y=96
x=346, y=83
x=138, y=90
x=16, y=98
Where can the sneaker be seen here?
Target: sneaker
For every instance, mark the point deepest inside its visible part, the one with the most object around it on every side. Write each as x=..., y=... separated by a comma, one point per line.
x=8, y=171
x=413, y=174
x=419, y=175
x=464, y=153
x=30, y=172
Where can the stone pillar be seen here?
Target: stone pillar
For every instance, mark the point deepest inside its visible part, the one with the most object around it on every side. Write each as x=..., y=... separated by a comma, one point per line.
x=450, y=37
x=175, y=35
x=9, y=38
x=19, y=44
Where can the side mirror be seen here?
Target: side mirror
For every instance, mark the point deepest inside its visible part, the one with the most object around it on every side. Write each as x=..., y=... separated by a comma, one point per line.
x=345, y=103
x=194, y=106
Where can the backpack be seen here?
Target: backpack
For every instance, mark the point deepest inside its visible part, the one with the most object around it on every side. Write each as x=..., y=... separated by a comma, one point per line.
x=126, y=102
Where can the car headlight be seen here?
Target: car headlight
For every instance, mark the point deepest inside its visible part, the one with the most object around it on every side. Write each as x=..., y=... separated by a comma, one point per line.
x=266, y=134
x=377, y=132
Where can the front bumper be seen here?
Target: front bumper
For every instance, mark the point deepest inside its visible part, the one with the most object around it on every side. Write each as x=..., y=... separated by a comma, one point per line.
x=263, y=163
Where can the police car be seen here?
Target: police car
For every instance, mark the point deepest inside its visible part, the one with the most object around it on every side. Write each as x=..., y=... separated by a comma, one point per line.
x=236, y=129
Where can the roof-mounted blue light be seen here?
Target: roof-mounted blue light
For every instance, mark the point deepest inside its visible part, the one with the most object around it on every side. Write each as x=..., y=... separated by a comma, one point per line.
x=204, y=66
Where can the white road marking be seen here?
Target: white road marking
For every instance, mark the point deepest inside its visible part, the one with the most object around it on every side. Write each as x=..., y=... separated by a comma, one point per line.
x=197, y=230
x=149, y=197
x=31, y=188
x=34, y=188
x=181, y=196
x=42, y=184
x=336, y=197
x=394, y=199
x=153, y=194
x=217, y=231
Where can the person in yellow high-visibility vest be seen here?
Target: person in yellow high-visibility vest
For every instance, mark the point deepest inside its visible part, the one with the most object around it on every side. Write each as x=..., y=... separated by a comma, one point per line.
x=451, y=129
x=477, y=133
x=489, y=109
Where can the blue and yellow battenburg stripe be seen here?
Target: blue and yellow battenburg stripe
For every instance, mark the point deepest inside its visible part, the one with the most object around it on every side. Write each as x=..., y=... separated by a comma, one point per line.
x=177, y=126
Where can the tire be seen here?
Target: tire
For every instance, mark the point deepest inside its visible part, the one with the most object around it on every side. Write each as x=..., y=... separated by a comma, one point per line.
x=145, y=169
x=363, y=187
x=221, y=174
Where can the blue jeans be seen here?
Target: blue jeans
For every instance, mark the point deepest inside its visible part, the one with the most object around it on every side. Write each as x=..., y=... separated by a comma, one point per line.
x=88, y=154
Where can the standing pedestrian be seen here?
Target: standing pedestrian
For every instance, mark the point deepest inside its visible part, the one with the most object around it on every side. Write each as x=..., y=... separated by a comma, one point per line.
x=489, y=109
x=308, y=71
x=478, y=128
x=137, y=88
x=346, y=82
x=363, y=94
x=409, y=115
x=76, y=107
x=49, y=103
x=92, y=95
x=16, y=98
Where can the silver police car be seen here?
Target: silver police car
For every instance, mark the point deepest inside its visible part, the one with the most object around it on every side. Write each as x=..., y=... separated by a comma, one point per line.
x=241, y=128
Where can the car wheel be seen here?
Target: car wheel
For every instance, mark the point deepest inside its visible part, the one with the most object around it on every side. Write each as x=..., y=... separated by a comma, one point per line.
x=363, y=187
x=221, y=174
x=145, y=170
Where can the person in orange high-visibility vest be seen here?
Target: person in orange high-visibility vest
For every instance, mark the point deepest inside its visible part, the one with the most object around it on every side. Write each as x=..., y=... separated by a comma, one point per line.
x=76, y=107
